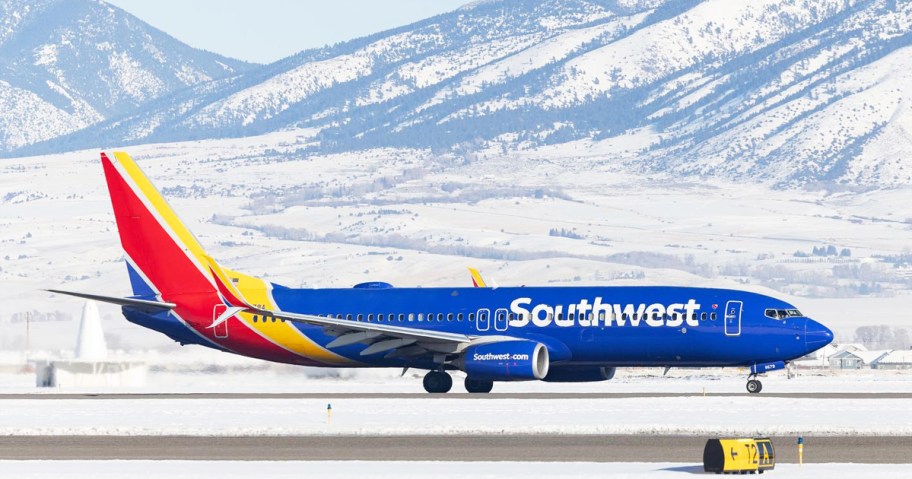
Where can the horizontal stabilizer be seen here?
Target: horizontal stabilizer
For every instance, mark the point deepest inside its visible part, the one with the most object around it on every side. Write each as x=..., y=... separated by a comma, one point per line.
x=140, y=304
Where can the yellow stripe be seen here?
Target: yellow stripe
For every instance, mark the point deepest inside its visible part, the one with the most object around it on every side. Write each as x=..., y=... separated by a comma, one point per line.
x=188, y=241
x=477, y=276
x=255, y=292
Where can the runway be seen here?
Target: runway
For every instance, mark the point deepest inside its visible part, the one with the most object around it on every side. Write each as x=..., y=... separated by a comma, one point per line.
x=558, y=396
x=543, y=448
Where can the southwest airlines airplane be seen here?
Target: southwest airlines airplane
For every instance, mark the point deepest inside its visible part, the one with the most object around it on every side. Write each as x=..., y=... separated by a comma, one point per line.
x=557, y=334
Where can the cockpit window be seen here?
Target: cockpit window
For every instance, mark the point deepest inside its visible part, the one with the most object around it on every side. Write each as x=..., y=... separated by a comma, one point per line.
x=782, y=313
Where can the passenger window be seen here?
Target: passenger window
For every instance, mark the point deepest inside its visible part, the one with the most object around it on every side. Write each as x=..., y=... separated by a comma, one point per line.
x=401, y=317
x=411, y=316
x=420, y=316
x=370, y=318
x=459, y=317
x=348, y=317
x=712, y=316
x=360, y=317
x=449, y=316
x=703, y=316
x=439, y=316
x=471, y=316
x=601, y=315
x=255, y=317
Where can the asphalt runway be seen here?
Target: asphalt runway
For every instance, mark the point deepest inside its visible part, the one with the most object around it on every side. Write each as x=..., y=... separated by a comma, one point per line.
x=494, y=395
x=569, y=448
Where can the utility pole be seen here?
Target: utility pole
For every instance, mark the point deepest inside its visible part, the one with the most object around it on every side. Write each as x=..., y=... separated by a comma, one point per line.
x=28, y=343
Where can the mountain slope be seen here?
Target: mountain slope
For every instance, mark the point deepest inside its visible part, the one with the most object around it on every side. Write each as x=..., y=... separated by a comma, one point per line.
x=66, y=64
x=785, y=91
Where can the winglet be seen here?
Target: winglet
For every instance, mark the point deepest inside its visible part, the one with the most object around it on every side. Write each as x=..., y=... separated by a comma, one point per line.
x=477, y=281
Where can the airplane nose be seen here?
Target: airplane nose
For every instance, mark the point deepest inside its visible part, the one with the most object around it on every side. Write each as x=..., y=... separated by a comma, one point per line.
x=816, y=335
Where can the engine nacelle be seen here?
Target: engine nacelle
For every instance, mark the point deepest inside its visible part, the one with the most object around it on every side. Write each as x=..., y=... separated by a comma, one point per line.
x=506, y=361
x=579, y=374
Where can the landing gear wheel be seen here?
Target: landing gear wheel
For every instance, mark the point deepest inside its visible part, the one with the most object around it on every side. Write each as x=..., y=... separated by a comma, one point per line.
x=754, y=386
x=478, y=385
x=437, y=382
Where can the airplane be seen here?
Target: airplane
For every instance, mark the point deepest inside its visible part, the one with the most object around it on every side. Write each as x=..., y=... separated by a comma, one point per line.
x=529, y=333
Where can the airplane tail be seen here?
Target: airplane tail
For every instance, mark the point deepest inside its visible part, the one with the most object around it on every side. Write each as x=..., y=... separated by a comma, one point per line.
x=164, y=259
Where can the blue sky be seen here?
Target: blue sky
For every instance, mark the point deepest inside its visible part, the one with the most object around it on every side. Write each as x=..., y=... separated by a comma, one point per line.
x=266, y=30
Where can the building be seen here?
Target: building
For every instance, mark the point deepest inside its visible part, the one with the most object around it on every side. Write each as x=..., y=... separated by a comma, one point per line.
x=91, y=366
x=899, y=359
x=849, y=359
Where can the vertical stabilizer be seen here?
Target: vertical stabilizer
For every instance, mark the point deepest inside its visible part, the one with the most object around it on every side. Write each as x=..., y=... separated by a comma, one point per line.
x=163, y=257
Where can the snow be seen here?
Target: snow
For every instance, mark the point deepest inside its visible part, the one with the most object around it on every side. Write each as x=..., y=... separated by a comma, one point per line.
x=693, y=409
x=414, y=469
x=685, y=415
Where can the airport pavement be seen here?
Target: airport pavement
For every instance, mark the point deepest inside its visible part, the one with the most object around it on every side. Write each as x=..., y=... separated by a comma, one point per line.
x=808, y=395
x=563, y=448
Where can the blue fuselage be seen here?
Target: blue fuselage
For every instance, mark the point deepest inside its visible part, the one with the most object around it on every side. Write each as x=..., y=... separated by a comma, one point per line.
x=605, y=326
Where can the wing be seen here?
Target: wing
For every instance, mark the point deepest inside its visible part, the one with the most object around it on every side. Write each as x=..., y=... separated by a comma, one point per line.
x=141, y=304
x=394, y=340
x=383, y=337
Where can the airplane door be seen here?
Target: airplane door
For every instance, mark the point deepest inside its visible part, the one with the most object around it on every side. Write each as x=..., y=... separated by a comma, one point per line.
x=500, y=319
x=733, y=318
x=483, y=322
x=220, y=331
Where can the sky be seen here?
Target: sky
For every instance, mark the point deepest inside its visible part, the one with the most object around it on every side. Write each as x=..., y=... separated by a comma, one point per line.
x=264, y=31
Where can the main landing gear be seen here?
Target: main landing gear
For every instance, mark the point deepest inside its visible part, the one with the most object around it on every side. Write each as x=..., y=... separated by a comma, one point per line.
x=441, y=382
x=437, y=382
x=753, y=385
x=478, y=385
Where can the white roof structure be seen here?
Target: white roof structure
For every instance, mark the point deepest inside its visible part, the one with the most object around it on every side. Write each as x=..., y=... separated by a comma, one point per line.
x=866, y=357
x=900, y=356
x=852, y=347
x=91, y=345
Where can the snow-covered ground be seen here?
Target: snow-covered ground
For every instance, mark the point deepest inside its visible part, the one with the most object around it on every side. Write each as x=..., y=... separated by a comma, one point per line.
x=419, y=469
x=689, y=413
x=199, y=370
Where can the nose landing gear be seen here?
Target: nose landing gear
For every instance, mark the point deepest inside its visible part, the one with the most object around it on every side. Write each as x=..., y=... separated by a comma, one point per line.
x=754, y=386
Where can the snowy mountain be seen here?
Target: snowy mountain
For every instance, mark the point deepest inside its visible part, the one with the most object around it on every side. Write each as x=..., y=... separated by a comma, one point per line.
x=67, y=64
x=790, y=92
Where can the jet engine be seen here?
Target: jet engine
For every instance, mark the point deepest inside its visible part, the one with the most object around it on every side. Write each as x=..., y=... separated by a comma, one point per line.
x=506, y=361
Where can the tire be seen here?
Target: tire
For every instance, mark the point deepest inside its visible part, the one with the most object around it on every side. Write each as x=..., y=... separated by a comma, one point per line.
x=437, y=382
x=754, y=386
x=478, y=385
